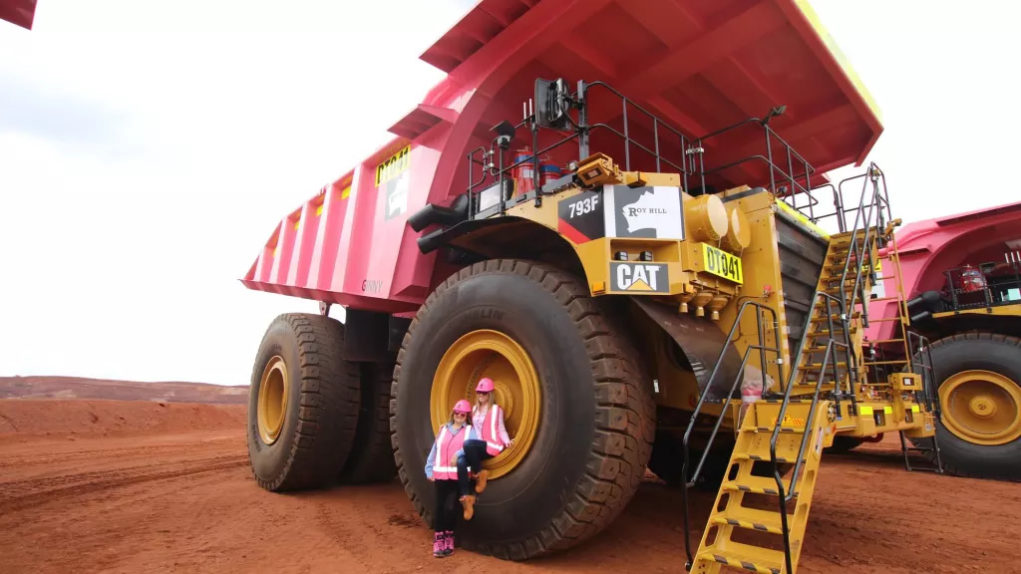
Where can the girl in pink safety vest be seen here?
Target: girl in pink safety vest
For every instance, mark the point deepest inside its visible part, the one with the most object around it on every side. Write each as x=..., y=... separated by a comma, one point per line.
x=441, y=468
x=488, y=439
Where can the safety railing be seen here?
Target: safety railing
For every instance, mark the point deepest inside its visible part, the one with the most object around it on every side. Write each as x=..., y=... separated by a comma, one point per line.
x=762, y=349
x=782, y=494
x=663, y=146
x=788, y=173
x=869, y=218
x=984, y=291
x=920, y=353
x=922, y=365
x=660, y=146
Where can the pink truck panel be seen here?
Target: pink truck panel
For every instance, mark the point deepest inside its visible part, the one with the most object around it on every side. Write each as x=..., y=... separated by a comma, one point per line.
x=928, y=248
x=698, y=65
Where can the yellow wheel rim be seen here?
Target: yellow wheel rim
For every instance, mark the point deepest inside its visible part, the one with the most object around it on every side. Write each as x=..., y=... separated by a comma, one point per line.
x=982, y=407
x=274, y=388
x=487, y=353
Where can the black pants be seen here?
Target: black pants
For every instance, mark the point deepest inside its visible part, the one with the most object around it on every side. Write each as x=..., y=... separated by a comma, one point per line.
x=447, y=507
x=474, y=454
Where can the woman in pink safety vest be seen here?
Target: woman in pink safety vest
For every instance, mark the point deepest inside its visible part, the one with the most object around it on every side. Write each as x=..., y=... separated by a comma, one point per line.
x=488, y=439
x=441, y=468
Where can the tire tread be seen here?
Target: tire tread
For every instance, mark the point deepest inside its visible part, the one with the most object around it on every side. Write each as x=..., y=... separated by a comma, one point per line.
x=328, y=404
x=625, y=413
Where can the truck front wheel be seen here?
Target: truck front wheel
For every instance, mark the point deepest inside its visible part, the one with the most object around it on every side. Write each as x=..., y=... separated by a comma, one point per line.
x=577, y=404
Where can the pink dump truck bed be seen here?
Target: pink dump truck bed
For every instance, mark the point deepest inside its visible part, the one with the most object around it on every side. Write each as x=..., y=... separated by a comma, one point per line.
x=928, y=248
x=699, y=65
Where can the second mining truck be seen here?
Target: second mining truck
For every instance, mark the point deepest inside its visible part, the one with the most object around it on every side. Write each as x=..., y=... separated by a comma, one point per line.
x=616, y=211
x=962, y=275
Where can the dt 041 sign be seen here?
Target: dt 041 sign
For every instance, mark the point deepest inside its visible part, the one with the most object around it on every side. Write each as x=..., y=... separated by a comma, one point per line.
x=722, y=264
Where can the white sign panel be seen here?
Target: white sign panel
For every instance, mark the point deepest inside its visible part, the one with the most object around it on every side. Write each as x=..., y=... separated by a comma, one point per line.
x=653, y=212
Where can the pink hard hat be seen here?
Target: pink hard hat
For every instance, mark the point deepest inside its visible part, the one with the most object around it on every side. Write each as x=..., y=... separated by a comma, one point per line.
x=462, y=406
x=485, y=385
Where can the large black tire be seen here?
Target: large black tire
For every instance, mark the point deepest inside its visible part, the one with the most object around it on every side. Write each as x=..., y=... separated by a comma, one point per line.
x=372, y=459
x=597, y=414
x=983, y=351
x=321, y=412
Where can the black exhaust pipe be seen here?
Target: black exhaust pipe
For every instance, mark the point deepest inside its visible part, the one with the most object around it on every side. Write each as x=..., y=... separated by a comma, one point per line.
x=431, y=241
x=436, y=214
x=928, y=301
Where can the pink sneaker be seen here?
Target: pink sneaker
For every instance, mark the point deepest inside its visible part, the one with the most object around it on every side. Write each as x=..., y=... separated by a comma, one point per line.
x=448, y=540
x=439, y=545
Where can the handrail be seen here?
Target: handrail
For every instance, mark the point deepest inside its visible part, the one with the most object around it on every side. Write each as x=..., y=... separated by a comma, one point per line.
x=685, y=444
x=919, y=344
x=783, y=496
x=860, y=254
x=497, y=173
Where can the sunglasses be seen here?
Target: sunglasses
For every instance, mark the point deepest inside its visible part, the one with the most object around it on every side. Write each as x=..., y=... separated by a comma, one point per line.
x=460, y=414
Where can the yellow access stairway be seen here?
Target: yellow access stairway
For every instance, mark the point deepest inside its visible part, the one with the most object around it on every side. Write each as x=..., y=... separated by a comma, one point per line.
x=745, y=531
x=839, y=280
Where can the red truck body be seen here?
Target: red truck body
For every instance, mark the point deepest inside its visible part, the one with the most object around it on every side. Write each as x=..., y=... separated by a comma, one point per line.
x=18, y=12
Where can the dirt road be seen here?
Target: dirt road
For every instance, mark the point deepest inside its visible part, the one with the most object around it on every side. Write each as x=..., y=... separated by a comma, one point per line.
x=96, y=495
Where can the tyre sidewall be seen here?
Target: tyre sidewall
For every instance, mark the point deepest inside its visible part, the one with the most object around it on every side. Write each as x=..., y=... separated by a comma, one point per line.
x=527, y=499
x=269, y=461
x=963, y=354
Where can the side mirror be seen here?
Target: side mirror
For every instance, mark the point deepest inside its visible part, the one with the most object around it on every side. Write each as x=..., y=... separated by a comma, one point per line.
x=552, y=100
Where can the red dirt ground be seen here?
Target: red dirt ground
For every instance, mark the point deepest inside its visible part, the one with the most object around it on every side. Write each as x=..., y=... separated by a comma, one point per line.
x=89, y=486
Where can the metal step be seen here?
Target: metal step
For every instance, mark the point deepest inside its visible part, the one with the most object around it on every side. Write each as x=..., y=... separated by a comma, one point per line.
x=756, y=485
x=769, y=430
x=737, y=555
x=751, y=519
x=839, y=364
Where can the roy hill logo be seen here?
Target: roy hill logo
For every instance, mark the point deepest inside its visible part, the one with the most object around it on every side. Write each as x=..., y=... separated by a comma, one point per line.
x=638, y=211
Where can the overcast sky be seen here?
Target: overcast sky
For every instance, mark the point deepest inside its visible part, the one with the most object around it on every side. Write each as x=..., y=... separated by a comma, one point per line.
x=148, y=149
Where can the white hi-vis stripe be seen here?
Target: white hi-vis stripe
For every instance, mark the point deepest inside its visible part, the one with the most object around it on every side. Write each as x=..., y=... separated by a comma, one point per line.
x=444, y=469
x=493, y=416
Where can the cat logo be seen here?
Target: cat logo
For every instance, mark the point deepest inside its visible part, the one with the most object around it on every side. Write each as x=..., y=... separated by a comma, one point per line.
x=638, y=277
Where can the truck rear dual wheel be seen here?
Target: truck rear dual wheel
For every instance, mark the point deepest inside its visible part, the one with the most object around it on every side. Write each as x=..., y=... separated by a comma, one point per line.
x=311, y=414
x=303, y=404
x=980, y=429
x=577, y=403
x=372, y=459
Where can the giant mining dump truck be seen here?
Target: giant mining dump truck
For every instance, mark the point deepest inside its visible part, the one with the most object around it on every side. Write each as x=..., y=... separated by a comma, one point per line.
x=962, y=274
x=618, y=212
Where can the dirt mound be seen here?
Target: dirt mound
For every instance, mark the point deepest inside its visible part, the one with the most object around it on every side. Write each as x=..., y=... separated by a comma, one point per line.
x=23, y=419
x=79, y=388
